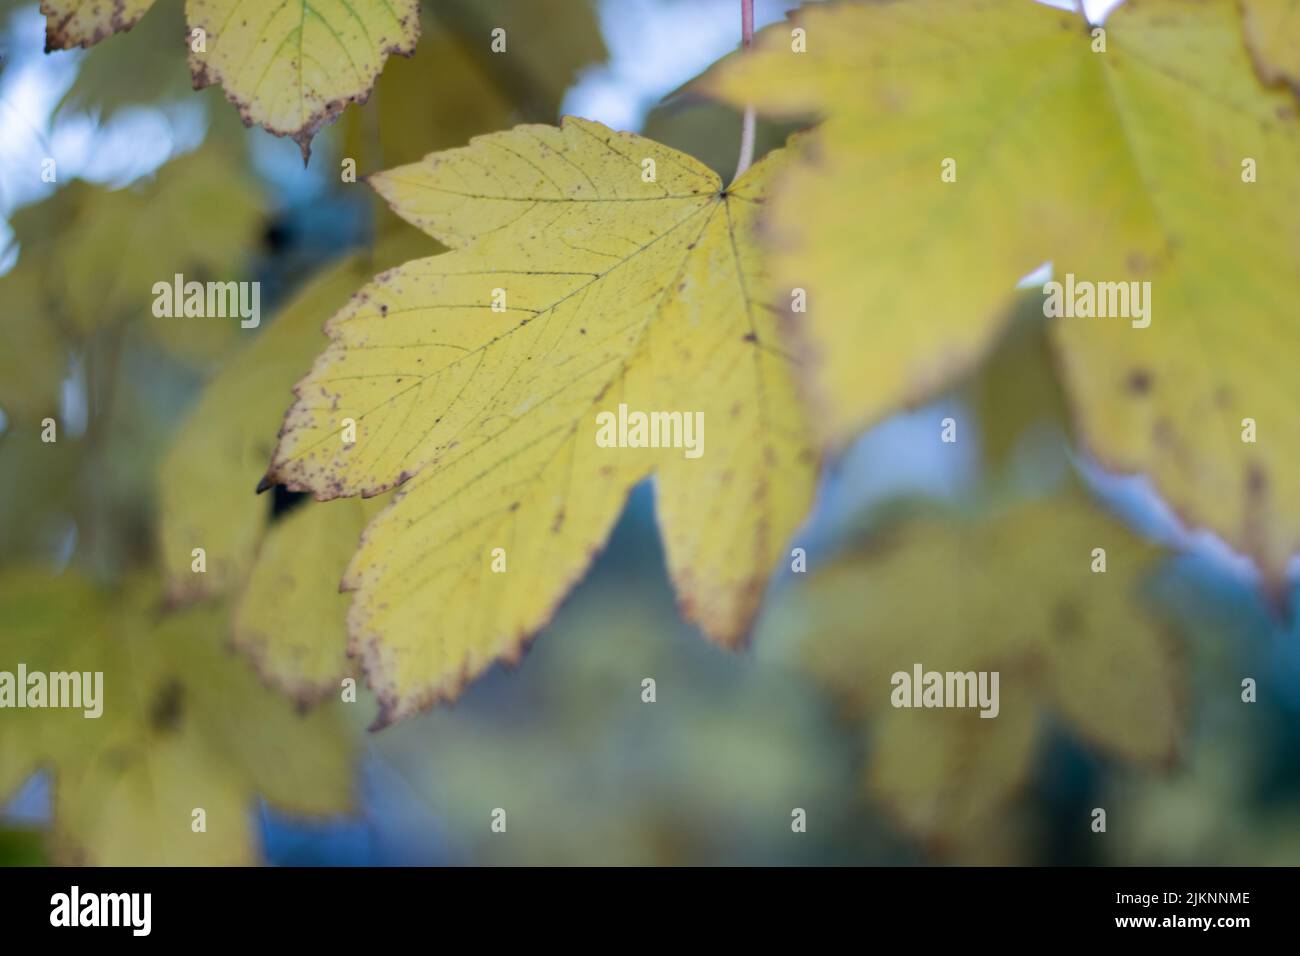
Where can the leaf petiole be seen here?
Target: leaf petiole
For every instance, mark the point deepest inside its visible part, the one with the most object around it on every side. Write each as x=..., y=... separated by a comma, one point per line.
x=748, y=125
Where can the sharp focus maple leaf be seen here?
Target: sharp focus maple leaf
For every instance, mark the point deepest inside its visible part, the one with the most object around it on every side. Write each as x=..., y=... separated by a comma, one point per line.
x=221, y=449
x=1126, y=163
x=185, y=725
x=589, y=269
x=1013, y=592
x=288, y=67
x=282, y=576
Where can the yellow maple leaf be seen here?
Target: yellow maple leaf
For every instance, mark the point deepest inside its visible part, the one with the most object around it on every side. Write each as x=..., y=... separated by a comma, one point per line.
x=288, y=67
x=290, y=616
x=592, y=273
x=220, y=451
x=70, y=23
x=1016, y=592
x=282, y=576
x=182, y=725
x=965, y=143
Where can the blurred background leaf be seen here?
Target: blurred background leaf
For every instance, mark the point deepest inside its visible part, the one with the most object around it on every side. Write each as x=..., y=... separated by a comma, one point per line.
x=160, y=426
x=184, y=725
x=1012, y=593
x=143, y=66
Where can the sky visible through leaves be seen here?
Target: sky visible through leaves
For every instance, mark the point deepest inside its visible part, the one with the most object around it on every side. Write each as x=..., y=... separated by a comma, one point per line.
x=907, y=467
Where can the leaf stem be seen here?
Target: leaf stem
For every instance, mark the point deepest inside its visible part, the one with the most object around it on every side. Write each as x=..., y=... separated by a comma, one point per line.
x=748, y=125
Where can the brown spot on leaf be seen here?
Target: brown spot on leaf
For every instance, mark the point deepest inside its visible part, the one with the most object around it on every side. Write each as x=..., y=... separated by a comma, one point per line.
x=1256, y=481
x=168, y=707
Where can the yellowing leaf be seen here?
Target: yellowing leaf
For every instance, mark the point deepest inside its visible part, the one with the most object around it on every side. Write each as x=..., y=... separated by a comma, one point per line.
x=1014, y=592
x=1129, y=165
x=1273, y=33
x=945, y=777
x=291, y=617
x=289, y=67
x=185, y=725
x=70, y=23
x=621, y=274
x=214, y=463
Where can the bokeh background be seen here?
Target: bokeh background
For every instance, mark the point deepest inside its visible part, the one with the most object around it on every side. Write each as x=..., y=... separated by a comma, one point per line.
x=710, y=772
